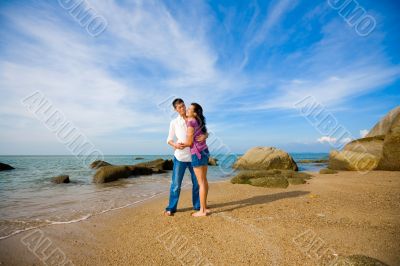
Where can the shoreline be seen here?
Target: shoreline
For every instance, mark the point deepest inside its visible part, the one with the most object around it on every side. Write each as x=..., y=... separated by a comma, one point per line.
x=249, y=225
x=89, y=216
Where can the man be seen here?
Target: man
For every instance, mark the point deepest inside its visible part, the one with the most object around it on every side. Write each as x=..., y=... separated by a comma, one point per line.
x=182, y=159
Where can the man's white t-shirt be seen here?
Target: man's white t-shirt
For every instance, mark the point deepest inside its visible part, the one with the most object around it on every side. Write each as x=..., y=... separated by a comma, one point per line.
x=178, y=129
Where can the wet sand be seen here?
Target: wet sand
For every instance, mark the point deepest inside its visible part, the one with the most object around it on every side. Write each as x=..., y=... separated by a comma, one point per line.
x=310, y=224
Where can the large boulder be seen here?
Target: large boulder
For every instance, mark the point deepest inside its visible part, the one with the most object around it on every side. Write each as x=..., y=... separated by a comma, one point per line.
x=352, y=161
x=390, y=159
x=4, y=167
x=385, y=124
x=379, y=150
x=265, y=158
x=60, y=179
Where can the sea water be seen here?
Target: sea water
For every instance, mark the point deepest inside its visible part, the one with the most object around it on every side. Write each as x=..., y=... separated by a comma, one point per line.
x=28, y=198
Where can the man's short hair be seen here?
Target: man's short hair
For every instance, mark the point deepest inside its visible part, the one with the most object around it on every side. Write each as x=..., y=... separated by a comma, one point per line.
x=176, y=102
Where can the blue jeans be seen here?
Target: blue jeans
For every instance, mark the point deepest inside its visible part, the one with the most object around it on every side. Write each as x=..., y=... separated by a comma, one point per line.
x=177, y=175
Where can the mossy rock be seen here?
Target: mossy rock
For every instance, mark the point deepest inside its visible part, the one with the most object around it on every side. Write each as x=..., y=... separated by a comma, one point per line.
x=270, y=178
x=273, y=182
x=358, y=260
x=327, y=171
x=296, y=181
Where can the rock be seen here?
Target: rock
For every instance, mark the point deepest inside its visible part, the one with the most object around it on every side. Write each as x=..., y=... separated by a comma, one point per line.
x=139, y=158
x=313, y=161
x=212, y=161
x=327, y=171
x=379, y=150
x=158, y=165
x=60, y=179
x=168, y=165
x=384, y=125
x=358, y=260
x=296, y=181
x=352, y=161
x=390, y=159
x=4, y=167
x=265, y=158
x=111, y=173
x=271, y=181
x=97, y=164
x=270, y=178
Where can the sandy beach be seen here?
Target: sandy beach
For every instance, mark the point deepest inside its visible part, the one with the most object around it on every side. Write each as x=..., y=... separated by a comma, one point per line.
x=310, y=224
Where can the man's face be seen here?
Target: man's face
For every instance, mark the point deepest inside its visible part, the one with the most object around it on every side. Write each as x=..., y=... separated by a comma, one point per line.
x=181, y=109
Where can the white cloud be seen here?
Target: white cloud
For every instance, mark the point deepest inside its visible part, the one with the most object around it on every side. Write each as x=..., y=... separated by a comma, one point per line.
x=363, y=132
x=326, y=139
x=151, y=50
x=78, y=72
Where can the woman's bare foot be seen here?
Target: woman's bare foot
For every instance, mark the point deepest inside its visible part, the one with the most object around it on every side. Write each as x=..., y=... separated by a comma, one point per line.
x=208, y=211
x=199, y=214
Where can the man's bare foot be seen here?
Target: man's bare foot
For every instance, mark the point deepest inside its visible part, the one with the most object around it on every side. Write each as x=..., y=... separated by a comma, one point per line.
x=168, y=213
x=199, y=214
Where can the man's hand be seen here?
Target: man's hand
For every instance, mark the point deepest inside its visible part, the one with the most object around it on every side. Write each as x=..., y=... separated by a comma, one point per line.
x=201, y=137
x=179, y=146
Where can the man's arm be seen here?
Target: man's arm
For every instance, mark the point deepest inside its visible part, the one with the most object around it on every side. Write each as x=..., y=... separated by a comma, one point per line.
x=171, y=135
x=202, y=137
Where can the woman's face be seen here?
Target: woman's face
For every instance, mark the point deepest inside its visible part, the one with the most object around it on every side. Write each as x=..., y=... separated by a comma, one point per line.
x=190, y=112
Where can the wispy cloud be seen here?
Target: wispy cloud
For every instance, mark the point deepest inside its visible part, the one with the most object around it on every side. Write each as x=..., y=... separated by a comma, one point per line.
x=236, y=59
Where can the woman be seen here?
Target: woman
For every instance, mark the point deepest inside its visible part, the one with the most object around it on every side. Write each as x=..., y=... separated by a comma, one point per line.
x=196, y=125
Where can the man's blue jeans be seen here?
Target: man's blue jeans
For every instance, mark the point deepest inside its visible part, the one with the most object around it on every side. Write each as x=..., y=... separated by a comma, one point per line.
x=177, y=175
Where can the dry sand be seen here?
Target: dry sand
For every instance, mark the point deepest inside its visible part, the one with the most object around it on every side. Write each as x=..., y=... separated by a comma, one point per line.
x=346, y=213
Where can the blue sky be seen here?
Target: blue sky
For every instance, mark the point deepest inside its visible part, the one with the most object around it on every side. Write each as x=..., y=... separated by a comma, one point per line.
x=246, y=62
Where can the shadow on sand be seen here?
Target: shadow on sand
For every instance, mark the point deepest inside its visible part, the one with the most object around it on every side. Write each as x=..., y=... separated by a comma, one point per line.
x=262, y=199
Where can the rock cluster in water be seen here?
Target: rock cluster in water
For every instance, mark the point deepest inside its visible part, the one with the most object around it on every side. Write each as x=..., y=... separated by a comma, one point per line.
x=108, y=173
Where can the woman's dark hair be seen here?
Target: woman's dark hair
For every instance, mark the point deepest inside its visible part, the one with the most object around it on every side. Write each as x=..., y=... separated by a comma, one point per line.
x=200, y=117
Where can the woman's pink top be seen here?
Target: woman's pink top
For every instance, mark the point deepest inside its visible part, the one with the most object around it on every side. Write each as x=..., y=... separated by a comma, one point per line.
x=197, y=146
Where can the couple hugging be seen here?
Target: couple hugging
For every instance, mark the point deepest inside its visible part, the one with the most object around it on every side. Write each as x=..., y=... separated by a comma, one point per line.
x=191, y=151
